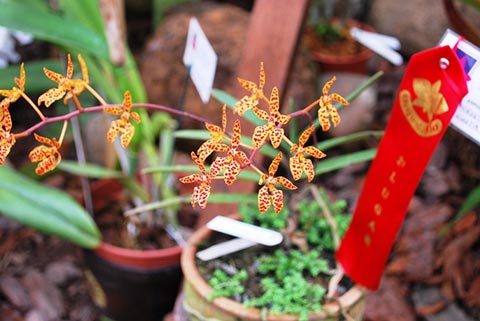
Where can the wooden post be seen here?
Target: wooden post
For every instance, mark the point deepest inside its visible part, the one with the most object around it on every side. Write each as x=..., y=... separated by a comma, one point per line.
x=272, y=37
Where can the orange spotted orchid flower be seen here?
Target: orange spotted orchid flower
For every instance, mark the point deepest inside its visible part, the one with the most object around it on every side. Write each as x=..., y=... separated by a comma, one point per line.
x=12, y=95
x=249, y=102
x=122, y=125
x=47, y=155
x=7, y=140
x=327, y=108
x=269, y=194
x=67, y=87
x=270, y=129
x=5, y=119
x=217, y=133
x=299, y=163
x=201, y=192
x=235, y=158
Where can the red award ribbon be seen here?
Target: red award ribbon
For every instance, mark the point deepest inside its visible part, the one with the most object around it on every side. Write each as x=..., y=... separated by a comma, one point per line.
x=431, y=89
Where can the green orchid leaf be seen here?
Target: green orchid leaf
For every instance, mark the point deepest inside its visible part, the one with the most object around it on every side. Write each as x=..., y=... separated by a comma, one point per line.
x=46, y=209
x=98, y=172
x=334, y=163
x=52, y=27
x=471, y=201
x=367, y=83
x=88, y=170
x=239, y=198
x=336, y=141
x=85, y=11
x=224, y=97
x=196, y=134
x=134, y=188
x=219, y=198
x=37, y=5
x=167, y=146
x=188, y=169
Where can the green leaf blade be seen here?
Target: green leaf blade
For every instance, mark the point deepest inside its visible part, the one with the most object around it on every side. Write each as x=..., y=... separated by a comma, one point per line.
x=46, y=209
x=88, y=170
x=335, y=163
x=51, y=27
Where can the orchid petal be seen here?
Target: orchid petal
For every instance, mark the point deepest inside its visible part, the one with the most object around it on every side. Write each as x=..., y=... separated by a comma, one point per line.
x=277, y=200
x=263, y=199
x=276, y=135
x=259, y=135
x=51, y=96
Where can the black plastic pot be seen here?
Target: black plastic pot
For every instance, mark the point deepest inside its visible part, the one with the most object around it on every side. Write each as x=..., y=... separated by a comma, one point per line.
x=127, y=284
x=125, y=292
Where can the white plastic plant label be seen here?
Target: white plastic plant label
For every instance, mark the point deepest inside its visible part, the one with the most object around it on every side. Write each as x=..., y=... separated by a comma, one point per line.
x=245, y=231
x=247, y=235
x=384, y=45
x=467, y=117
x=224, y=248
x=200, y=59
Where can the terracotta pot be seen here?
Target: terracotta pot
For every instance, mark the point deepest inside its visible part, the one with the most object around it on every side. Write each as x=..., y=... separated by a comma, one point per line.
x=132, y=284
x=356, y=62
x=196, y=290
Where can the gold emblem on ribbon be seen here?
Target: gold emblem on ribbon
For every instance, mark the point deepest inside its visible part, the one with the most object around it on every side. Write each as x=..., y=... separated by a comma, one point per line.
x=432, y=103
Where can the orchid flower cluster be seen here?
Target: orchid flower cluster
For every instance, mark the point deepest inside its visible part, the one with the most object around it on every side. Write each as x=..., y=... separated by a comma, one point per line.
x=230, y=159
x=47, y=154
x=231, y=154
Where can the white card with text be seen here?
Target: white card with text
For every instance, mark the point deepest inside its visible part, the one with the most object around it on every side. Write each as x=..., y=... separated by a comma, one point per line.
x=467, y=117
x=201, y=59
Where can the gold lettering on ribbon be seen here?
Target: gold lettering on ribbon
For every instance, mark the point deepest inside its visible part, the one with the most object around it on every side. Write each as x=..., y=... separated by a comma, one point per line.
x=400, y=163
x=432, y=103
x=385, y=193
x=392, y=177
x=378, y=208
x=368, y=240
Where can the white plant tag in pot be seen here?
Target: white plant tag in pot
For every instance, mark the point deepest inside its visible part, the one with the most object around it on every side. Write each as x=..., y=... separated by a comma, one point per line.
x=247, y=235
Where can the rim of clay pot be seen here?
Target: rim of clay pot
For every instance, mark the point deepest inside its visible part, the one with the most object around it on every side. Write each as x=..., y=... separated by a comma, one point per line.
x=195, y=279
x=139, y=258
x=363, y=55
x=355, y=58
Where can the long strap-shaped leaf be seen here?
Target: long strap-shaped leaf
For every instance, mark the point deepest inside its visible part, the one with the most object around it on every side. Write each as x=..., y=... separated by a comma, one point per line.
x=470, y=203
x=52, y=27
x=45, y=209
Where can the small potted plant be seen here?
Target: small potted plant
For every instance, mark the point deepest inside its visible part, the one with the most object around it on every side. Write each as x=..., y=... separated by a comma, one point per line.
x=123, y=272
x=230, y=163
x=79, y=27
x=295, y=280
x=328, y=38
